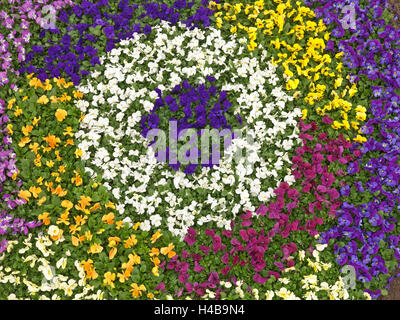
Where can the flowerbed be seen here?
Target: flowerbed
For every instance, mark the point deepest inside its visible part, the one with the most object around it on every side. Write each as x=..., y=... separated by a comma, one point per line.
x=199, y=150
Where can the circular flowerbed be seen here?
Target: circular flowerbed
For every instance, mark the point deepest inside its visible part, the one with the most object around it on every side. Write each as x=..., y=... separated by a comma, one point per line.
x=129, y=96
x=206, y=149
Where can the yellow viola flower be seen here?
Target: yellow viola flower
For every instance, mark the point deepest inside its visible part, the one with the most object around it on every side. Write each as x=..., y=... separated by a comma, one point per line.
x=61, y=114
x=95, y=248
x=26, y=130
x=45, y=218
x=67, y=204
x=361, y=116
x=78, y=94
x=9, y=128
x=360, y=139
x=41, y=201
x=24, y=194
x=18, y=111
x=109, y=278
x=292, y=84
x=68, y=131
x=78, y=153
x=36, y=120
x=130, y=242
x=336, y=125
x=167, y=251
x=113, y=241
x=136, y=225
x=137, y=290
x=24, y=141
x=155, y=270
x=50, y=163
x=43, y=100
x=35, y=82
x=47, y=85
x=150, y=295
x=154, y=252
x=35, y=191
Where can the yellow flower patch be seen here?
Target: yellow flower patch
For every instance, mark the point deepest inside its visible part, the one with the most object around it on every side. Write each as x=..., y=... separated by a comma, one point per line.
x=303, y=58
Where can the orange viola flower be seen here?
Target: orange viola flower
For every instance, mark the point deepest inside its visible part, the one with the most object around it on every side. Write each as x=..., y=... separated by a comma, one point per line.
x=59, y=191
x=43, y=100
x=108, y=218
x=154, y=252
x=156, y=236
x=112, y=253
x=35, y=82
x=64, y=218
x=110, y=205
x=67, y=204
x=18, y=111
x=24, y=194
x=34, y=147
x=168, y=250
x=52, y=141
x=61, y=114
x=113, y=241
x=54, y=99
x=69, y=142
x=83, y=203
x=119, y=224
x=137, y=290
x=26, y=130
x=134, y=258
x=123, y=277
x=68, y=131
x=95, y=207
x=77, y=94
x=45, y=218
x=24, y=141
x=75, y=241
x=130, y=242
x=60, y=82
x=95, y=248
x=65, y=97
x=87, y=265
x=35, y=191
x=92, y=274
x=80, y=220
x=77, y=180
x=156, y=261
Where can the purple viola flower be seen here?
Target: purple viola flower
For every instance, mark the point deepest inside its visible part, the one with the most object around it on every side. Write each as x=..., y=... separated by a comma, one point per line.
x=345, y=219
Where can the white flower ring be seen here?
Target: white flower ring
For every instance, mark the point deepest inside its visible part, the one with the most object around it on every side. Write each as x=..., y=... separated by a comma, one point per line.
x=122, y=90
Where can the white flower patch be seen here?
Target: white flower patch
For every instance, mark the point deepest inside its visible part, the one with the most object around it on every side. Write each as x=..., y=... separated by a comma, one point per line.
x=149, y=191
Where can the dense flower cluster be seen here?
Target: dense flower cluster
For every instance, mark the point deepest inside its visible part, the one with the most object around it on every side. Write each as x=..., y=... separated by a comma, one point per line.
x=196, y=118
x=368, y=223
x=116, y=108
x=101, y=26
x=16, y=19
